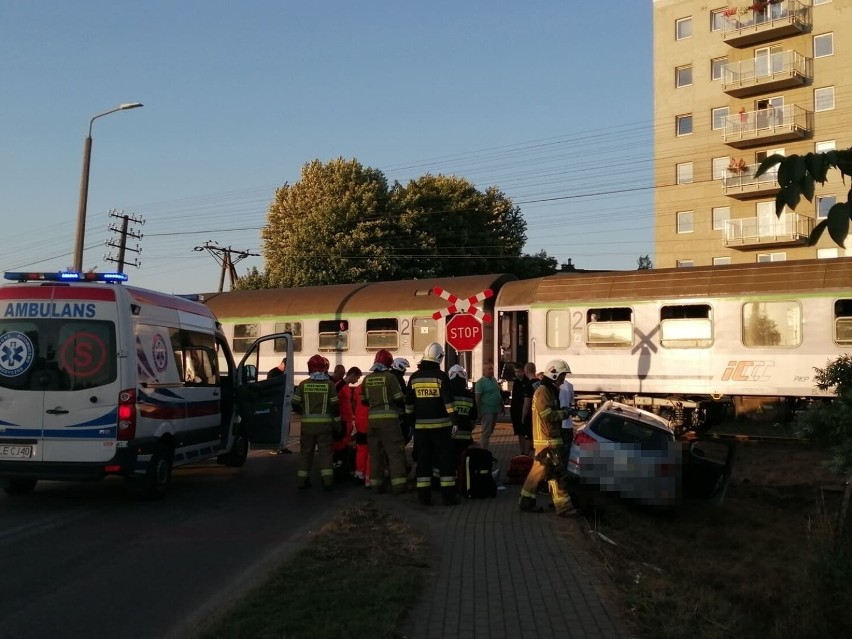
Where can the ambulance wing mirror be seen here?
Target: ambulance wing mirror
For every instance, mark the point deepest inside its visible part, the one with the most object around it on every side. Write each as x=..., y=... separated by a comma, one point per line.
x=248, y=373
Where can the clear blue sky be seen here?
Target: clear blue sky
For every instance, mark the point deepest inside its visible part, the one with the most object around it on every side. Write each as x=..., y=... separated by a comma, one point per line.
x=550, y=101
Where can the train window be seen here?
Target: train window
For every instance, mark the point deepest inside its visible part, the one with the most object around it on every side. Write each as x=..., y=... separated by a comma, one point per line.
x=424, y=331
x=686, y=326
x=777, y=323
x=843, y=322
x=558, y=328
x=609, y=327
x=295, y=329
x=333, y=335
x=244, y=336
x=383, y=333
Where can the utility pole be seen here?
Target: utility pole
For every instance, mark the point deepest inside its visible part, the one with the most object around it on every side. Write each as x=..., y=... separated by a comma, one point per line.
x=121, y=243
x=227, y=258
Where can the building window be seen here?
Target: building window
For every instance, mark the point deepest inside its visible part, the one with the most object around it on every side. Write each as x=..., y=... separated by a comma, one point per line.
x=720, y=166
x=685, y=222
x=558, y=328
x=685, y=263
x=717, y=20
x=382, y=333
x=684, y=173
x=295, y=329
x=772, y=323
x=683, y=76
x=684, y=124
x=827, y=253
x=718, y=117
x=816, y=2
x=717, y=68
x=823, y=45
x=825, y=146
x=824, y=204
x=721, y=214
x=824, y=99
x=609, y=327
x=721, y=261
x=686, y=326
x=683, y=28
x=771, y=257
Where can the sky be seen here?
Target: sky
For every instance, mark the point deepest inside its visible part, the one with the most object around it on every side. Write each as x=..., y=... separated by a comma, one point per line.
x=549, y=101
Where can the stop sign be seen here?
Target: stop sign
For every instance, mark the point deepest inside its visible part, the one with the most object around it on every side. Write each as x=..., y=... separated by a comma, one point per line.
x=464, y=332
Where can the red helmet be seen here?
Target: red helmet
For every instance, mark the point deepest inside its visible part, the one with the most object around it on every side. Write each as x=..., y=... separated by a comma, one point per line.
x=384, y=358
x=316, y=364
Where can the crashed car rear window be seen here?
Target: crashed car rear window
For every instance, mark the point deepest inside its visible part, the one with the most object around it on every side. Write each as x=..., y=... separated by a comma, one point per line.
x=626, y=431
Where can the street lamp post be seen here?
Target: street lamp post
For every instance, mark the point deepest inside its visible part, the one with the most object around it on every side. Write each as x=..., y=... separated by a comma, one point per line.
x=84, y=184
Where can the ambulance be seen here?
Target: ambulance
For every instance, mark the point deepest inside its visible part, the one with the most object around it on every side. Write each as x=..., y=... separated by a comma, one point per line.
x=98, y=378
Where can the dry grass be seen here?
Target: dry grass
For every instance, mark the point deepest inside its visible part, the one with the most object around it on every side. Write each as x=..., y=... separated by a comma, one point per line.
x=759, y=565
x=355, y=578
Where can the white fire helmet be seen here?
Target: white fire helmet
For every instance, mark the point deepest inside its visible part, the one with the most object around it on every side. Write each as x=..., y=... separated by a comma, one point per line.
x=400, y=364
x=556, y=367
x=433, y=353
x=457, y=371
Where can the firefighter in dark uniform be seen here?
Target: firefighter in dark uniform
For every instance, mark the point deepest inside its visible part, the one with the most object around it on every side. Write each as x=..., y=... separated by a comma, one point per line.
x=429, y=407
x=316, y=400
x=550, y=454
x=465, y=406
x=380, y=391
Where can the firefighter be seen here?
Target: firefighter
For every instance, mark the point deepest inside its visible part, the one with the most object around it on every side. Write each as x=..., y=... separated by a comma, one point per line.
x=465, y=410
x=429, y=406
x=549, y=457
x=315, y=399
x=398, y=368
x=380, y=391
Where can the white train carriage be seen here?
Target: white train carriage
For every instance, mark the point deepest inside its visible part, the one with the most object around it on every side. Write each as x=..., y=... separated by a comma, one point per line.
x=684, y=342
x=348, y=323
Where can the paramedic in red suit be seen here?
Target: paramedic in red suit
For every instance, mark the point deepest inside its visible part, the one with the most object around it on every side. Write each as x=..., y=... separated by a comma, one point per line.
x=429, y=405
x=341, y=445
x=362, y=451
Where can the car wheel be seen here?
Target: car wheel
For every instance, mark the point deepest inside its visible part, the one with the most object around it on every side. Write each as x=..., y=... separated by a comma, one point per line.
x=154, y=483
x=17, y=487
x=236, y=457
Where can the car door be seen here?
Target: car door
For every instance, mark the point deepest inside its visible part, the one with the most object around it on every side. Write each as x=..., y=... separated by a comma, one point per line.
x=707, y=469
x=265, y=405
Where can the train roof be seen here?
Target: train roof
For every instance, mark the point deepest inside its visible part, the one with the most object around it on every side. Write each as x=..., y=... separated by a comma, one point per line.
x=366, y=297
x=772, y=278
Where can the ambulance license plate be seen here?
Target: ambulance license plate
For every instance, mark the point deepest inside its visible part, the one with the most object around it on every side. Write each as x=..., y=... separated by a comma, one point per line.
x=13, y=451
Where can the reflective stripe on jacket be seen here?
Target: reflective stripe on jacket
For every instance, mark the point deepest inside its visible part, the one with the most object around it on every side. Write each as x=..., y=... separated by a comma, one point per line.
x=547, y=416
x=428, y=398
x=381, y=392
x=317, y=401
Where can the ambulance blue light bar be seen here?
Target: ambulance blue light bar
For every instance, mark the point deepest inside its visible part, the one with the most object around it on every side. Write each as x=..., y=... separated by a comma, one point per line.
x=65, y=276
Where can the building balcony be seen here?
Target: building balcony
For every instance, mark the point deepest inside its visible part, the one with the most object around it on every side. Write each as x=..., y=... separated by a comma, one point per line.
x=774, y=21
x=790, y=229
x=783, y=70
x=767, y=126
x=743, y=184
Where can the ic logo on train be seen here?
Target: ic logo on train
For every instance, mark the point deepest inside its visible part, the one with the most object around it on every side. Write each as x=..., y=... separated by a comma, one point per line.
x=746, y=370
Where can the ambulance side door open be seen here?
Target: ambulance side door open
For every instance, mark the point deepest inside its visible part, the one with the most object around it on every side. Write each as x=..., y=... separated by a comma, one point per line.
x=265, y=405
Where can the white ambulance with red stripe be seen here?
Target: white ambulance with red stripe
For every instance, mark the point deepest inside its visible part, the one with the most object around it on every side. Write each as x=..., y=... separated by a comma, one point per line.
x=98, y=378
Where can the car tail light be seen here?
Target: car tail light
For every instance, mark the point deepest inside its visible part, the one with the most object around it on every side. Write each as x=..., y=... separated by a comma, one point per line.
x=127, y=414
x=584, y=438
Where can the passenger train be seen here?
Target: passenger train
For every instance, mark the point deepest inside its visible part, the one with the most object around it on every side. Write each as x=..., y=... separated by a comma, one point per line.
x=687, y=343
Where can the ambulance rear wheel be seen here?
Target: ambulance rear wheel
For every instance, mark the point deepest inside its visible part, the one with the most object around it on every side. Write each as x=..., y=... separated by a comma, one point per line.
x=154, y=483
x=19, y=486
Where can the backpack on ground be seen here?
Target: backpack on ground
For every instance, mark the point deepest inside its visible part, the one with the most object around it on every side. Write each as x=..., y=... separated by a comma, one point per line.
x=478, y=468
x=519, y=468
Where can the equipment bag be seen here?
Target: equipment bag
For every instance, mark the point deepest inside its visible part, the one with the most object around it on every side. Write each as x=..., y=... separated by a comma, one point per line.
x=519, y=468
x=479, y=481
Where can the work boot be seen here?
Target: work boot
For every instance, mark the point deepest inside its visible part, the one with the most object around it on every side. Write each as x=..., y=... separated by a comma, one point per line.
x=529, y=505
x=424, y=496
x=450, y=498
x=302, y=485
x=328, y=487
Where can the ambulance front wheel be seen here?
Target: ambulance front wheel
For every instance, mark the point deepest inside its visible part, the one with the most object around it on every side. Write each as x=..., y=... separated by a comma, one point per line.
x=16, y=487
x=236, y=457
x=154, y=483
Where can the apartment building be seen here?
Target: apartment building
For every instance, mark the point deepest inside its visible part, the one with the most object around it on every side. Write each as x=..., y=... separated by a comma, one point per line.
x=734, y=84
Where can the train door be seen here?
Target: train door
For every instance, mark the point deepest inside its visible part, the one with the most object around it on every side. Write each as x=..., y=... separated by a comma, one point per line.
x=512, y=339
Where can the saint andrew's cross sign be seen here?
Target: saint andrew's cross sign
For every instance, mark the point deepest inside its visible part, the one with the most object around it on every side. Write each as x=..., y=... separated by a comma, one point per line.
x=464, y=330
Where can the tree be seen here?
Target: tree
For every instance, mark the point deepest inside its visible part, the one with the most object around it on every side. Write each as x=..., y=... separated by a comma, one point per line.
x=645, y=263
x=830, y=424
x=341, y=223
x=798, y=175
